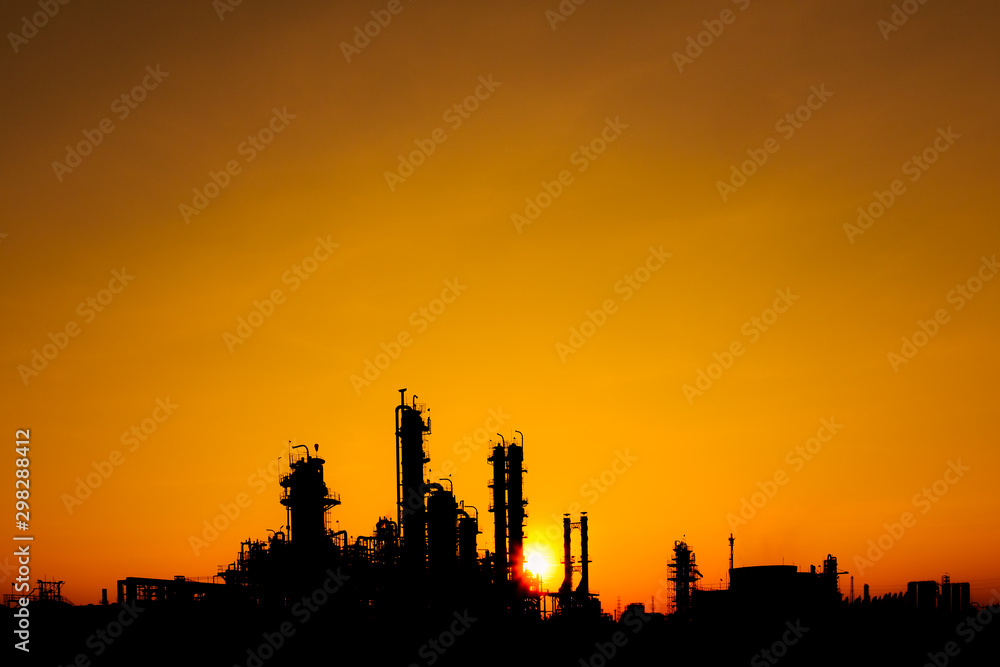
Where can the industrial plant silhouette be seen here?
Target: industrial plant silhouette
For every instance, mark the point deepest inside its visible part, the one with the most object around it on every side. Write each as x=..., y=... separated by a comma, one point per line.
x=420, y=591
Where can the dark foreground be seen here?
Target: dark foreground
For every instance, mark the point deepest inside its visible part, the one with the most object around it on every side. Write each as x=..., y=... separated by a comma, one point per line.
x=213, y=635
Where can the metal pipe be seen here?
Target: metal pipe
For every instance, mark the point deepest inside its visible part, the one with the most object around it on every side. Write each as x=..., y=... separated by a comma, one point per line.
x=288, y=508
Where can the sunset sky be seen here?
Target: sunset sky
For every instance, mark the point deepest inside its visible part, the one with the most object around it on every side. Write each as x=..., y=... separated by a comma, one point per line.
x=631, y=232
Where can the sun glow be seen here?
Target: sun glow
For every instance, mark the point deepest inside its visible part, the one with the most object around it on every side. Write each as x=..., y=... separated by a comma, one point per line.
x=539, y=562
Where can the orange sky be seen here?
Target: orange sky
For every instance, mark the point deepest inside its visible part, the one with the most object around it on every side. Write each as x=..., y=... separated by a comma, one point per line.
x=622, y=141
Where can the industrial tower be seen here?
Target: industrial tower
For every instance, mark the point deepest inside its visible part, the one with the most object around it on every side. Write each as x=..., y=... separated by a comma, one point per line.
x=410, y=459
x=685, y=575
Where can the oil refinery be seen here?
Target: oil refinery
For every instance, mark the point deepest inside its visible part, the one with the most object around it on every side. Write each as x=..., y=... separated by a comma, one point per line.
x=423, y=588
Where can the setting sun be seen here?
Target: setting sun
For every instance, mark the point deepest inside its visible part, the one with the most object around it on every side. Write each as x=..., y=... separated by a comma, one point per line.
x=539, y=562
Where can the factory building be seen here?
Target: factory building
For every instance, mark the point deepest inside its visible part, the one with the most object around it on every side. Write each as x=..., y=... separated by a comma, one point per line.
x=771, y=589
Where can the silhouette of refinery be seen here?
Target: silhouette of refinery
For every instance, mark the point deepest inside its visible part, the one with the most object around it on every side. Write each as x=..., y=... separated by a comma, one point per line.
x=427, y=555
x=425, y=564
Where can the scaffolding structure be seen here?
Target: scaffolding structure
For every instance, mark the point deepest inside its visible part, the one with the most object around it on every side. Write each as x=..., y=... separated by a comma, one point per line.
x=685, y=575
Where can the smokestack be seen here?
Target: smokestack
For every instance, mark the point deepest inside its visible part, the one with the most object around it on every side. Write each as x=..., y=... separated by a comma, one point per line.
x=567, y=583
x=584, y=586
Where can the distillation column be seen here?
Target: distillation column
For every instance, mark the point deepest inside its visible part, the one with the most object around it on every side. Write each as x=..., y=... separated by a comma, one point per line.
x=499, y=459
x=442, y=532
x=410, y=429
x=515, y=512
x=306, y=496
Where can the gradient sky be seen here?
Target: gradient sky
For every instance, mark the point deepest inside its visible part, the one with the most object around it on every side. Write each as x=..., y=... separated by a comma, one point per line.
x=494, y=350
